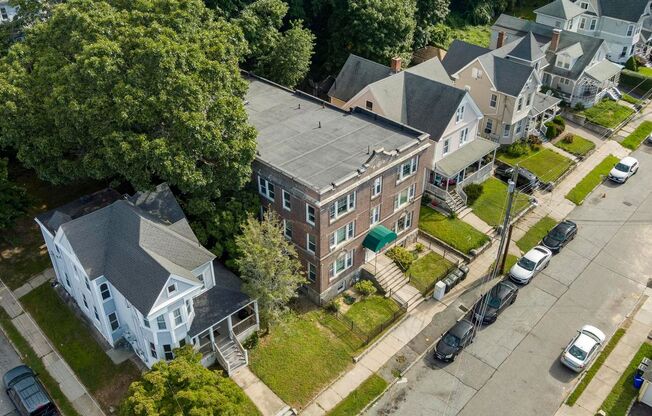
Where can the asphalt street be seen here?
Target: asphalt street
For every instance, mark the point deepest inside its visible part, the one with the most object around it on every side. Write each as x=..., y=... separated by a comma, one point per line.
x=8, y=360
x=513, y=366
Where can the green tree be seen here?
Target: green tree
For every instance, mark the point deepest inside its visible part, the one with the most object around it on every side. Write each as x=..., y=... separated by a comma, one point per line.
x=13, y=199
x=375, y=29
x=429, y=13
x=269, y=266
x=28, y=13
x=184, y=386
x=632, y=64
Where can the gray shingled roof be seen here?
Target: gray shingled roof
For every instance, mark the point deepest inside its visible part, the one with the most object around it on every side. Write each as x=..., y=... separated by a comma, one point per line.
x=589, y=45
x=85, y=205
x=316, y=143
x=604, y=70
x=631, y=12
x=134, y=250
x=564, y=9
x=459, y=54
x=431, y=69
x=527, y=49
x=520, y=27
x=356, y=74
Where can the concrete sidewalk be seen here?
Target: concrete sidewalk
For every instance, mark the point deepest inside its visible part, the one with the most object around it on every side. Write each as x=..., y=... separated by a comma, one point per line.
x=606, y=378
x=69, y=384
x=263, y=397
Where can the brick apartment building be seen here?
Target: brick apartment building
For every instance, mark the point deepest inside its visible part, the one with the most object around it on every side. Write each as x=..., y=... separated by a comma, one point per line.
x=334, y=176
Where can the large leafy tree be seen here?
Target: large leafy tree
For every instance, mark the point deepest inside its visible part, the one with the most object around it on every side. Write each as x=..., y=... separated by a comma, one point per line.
x=184, y=386
x=28, y=13
x=13, y=199
x=269, y=266
x=375, y=29
x=429, y=14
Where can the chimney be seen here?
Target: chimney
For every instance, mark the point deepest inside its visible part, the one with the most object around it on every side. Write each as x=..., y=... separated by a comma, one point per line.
x=501, y=39
x=554, y=42
x=395, y=65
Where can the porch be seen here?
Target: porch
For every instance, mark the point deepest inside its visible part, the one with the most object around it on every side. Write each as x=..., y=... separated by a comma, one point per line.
x=544, y=108
x=473, y=163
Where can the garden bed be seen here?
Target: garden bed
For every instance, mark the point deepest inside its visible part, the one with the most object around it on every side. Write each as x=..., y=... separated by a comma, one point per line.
x=591, y=180
x=607, y=114
x=578, y=147
x=489, y=207
x=427, y=270
x=452, y=231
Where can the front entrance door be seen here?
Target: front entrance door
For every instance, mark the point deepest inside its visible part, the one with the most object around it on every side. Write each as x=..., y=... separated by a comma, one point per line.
x=369, y=255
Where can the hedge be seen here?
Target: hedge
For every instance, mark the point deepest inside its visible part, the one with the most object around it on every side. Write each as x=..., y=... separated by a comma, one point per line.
x=636, y=80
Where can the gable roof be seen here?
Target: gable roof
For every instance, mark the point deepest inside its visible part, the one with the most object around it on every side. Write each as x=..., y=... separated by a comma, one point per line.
x=564, y=9
x=135, y=248
x=516, y=26
x=356, y=74
x=527, y=49
x=574, y=43
x=431, y=69
x=461, y=54
x=616, y=9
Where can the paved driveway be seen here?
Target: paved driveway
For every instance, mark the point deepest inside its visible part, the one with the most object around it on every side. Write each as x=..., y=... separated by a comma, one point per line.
x=8, y=360
x=512, y=368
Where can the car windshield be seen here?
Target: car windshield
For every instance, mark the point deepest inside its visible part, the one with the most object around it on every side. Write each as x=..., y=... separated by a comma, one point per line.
x=494, y=302
x=526, y=263
x=556, y=234
x=622, y=167
x=452, y=340
x=577, y=352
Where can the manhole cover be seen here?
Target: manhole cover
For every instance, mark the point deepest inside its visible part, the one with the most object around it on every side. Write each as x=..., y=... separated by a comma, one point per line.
x=464, y=308
x=629, y=204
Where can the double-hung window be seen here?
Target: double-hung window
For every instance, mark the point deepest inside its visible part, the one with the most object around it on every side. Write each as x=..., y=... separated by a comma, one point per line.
x=508, y=128
x=178, y=318
x=341, y=235
x=342, y=263
x=464, y=135
x=342, y=205
x=188, y=307
x=113, y=321
x=167, y=350
x=593, y=23
x=583, y=22
x=287, y=228
x=146, y=322
x=493, y=101
x=377, y=186
x=160, y=322
x=404, y=223
x=446, y=147
x=584, y=5
x=408, y=168
x=563, y=61
x=375, y=215
x=519, y=106
x=529, y=99
x=459, y=114
x=630, y=30
x=310, y=214
x=489, y=127
x=312, y=272
x=152, y=350
x=311, y=244
x=3, y=12
x=266, y=188
x=405, y=196
x=287, y=203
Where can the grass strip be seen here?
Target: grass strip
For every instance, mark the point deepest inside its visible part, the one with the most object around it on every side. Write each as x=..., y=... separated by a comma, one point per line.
x=578, y=147
x=591, y=180
x=534, y=235
x=634, y=140
x=607, y=113
x=454, y=232
x=360, y=397
x=593, y=370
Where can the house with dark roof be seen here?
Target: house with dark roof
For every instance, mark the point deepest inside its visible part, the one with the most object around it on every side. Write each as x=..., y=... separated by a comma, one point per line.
x=138, y=273
x=576, y=65
x=424, y=97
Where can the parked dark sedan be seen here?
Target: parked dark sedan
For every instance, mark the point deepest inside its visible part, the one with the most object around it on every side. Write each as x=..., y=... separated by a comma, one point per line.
x=27, y=393
x=559, y=236
x=526, y=180
x=495, y=302
x=453, y=341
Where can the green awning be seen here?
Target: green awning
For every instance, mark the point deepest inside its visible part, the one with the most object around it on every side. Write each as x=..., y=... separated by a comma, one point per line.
x=378, y=237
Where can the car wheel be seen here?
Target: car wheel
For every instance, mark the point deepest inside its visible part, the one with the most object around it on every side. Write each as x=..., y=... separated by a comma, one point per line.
x=513, y=300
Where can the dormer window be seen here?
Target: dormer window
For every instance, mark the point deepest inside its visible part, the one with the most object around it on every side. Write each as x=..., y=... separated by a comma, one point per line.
x=369, y=105
x=563, y=61
x=585, y=6
x=172, y=288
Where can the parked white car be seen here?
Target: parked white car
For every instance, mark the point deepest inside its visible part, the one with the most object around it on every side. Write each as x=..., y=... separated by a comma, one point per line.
x=583, y=348
x=530, y=265
x=624, y=169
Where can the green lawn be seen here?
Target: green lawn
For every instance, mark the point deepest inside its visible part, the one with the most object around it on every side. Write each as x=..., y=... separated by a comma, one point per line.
x=368, y=314
x=534, y=235
x=618, y=401
x=579, y=147
x=634, y=140
x=645, y=71
x=593, y=370
x=360, y=397
x=591, y=180
x=299, y=357
x=509, y=262
x=427, y=270
x=628, y=98
x=452, y=231
x=547, y=164
x=460, y=29
x=108, y=382
x=491, y=204
x=607, y=113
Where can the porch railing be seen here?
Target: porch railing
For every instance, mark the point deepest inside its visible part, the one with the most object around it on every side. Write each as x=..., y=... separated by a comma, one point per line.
x=459, y=188
x=221, y=359
x=242, y=350
x=244, y=325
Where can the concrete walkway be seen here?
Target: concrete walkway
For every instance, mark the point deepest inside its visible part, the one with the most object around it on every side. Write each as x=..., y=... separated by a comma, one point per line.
x=477, y=223
x=34, y=282
x=70, y=385
x=606, y=378
x=549, y=145
x=263, y=397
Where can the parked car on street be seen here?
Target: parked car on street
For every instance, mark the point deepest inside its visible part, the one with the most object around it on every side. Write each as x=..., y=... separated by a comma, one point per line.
x=494, y=302
x=627, y=167
x=27, y=393
x=530, y=265
x=560, y=235
x=583, y=348
x=648, y=139
x=526, y=180
x=454, y=340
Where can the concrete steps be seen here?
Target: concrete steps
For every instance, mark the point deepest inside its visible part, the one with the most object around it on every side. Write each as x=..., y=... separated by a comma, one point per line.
x=232, y=354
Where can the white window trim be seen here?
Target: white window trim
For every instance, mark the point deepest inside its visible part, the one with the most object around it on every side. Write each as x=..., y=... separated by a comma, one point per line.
x=411, y=194
x=286, y=200
x=167, y=289
x=116, y=319
x=495, y=102
x=375, y=212
x=445, y=147
x=348, y=258
x=464, y=136
x=165, y=324
x=308, y=206
x=174, y=318
x=519, y=104
x=407, y=215
x=308, y=243
x=266, y=193
x=350, y=206
x=374, y=192
x=414, y=167
x=108, y=289
x=349, y=234
x=310, y=265
x=285, y=229
x=459, y=114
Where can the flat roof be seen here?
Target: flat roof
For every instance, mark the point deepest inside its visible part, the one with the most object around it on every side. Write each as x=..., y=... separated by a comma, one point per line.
x=317, y=143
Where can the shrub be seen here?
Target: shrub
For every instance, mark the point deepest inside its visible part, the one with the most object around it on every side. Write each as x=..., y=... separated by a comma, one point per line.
x=553, y=130
x=333, y=306
x=559, y=120
x=420, y=248
x=517, y=149
x=251, y=342
x=568, y=139
x=536, y=147
x=534, y=140
x=365, y=287
x=632, y=64
x=473, y=192
x=579, y=107
x=402, y=257
x=636, y=80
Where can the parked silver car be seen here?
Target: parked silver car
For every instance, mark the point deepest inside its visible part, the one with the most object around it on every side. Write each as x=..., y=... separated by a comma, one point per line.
x=583, y=348
x=530, y=265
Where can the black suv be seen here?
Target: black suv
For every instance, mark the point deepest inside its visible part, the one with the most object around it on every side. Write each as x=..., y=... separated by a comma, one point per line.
x=526, y=180
x=27, y=393
x=453, y=341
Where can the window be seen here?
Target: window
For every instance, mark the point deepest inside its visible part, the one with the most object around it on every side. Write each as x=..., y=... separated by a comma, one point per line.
x=377, y=187
x=582, y=22
x=146, y=322
x=593, y=23
x=405, y=196
x=160, y=322
x=97, y=315
x=178, y=318
x=67, y=279
x=630, y=30
x=369, y=105
x=287, y=203
x=476, y=73
x=464, y=135
x=493, y=101
x=343, y=262
x=519, y=105
x=172, y=288
x=266, y=188
x=311, y=244
x=104, y=290
x=563, y=61
x=446, y=146
x=188, y=307
x=489, y=127
x=113, y=321
x=459, y=114
x=624, y=52
x=342, y=206
x=375, y=215
x=529, y=99
x=287, y=229
x=84, y=299
x=312, y=272
x=404, y=223
x=408, y=168
x=182, y=343
x=585, y=6
x=341, y=235
x=88, y=284
x=569, y=26
x=519, y=127
x=310, y=214
x=167, y=351
x=5, y=15
x=152, y=350
x=507, y=130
